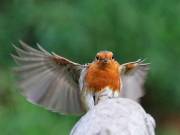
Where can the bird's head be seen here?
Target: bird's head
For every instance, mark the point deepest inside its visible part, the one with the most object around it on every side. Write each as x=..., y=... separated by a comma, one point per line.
x=104, y=57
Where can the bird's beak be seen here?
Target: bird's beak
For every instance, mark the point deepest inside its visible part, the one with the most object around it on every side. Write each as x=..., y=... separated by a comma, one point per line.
x=105, y=60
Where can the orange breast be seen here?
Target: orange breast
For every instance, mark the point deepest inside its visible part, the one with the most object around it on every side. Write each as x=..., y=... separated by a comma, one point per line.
x=100, y=76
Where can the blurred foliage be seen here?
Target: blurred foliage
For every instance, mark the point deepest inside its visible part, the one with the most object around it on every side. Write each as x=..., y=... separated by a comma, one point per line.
x=132, y=29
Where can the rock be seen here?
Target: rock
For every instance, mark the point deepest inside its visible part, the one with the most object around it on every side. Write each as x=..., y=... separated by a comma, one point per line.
x=116, y=116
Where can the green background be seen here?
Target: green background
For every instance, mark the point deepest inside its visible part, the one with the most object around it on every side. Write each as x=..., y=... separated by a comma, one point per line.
x=132, y=29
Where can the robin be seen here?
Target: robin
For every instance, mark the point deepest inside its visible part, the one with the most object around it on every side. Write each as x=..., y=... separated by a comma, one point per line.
x=63, y=86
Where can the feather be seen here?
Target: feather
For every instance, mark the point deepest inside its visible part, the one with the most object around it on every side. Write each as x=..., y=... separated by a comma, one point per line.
x=133, y=79
x=48, y=80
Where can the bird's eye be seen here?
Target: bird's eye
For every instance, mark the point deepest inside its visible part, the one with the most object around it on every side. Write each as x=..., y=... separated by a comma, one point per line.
x=112, y=57
x=97, y=58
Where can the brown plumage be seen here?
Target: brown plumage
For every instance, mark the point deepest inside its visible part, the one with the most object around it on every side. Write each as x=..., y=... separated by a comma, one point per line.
x=102, y=74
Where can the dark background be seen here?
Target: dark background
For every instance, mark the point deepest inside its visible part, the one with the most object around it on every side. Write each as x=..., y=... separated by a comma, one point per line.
x=132, y=29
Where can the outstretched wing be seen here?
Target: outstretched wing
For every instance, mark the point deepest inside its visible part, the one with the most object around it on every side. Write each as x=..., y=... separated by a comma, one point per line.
x=133, y=75
x=49, y=80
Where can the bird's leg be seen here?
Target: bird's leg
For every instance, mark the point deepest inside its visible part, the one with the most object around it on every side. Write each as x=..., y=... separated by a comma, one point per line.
x=104, y=94
x=87, y=98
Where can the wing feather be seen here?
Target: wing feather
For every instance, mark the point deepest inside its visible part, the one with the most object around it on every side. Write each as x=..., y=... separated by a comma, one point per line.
x=48, y=80
x=133, y=79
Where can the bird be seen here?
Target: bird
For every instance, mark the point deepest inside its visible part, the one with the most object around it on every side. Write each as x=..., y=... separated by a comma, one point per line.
x=61, y=85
